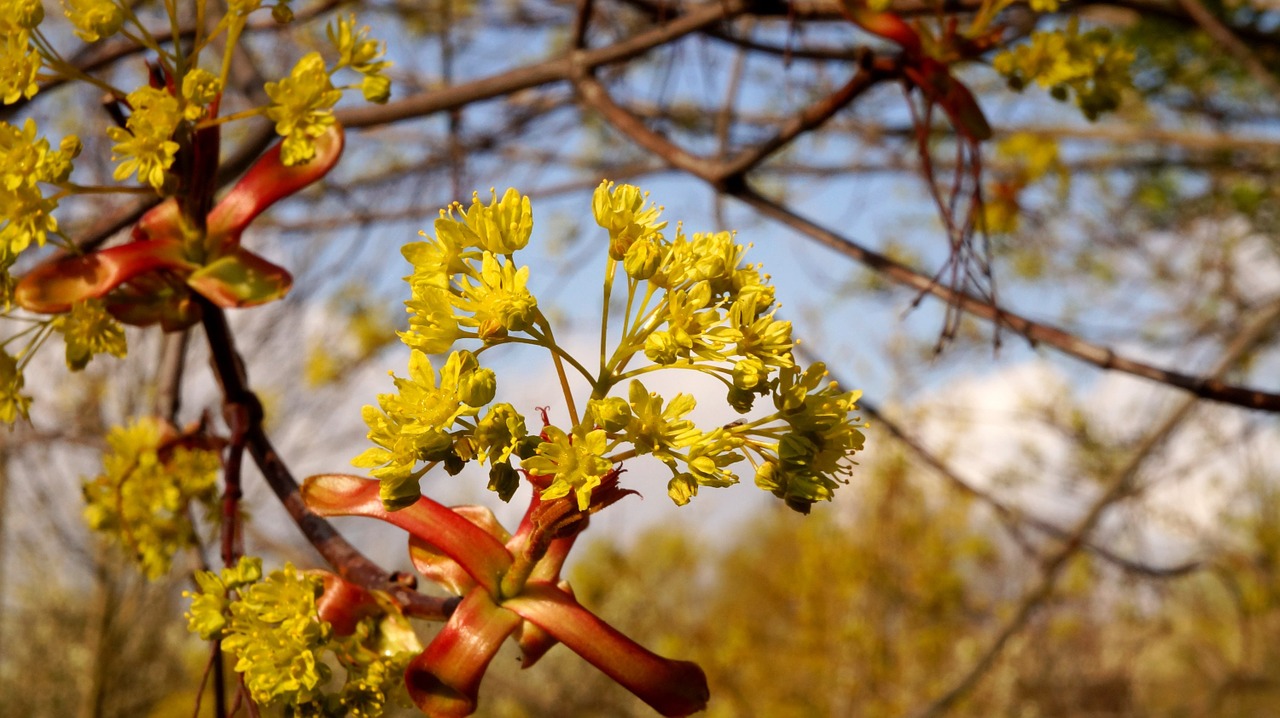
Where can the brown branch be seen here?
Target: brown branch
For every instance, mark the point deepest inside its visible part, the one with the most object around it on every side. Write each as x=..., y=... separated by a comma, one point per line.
x=596, y=96
x=1206, y=387
x=557, y=70
x=1116, y=488
x=352, y=565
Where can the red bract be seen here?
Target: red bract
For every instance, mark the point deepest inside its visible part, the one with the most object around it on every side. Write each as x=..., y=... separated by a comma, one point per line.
x=510, y=585
x=151, y=278
x=932, y=77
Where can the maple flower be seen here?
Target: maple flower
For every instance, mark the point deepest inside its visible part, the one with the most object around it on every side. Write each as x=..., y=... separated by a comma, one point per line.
x=498, y=433
x=19, y=65
x=621, y=210
x=814, y=451
x=498, y=300
x=146, y=142
x=94, y=20
x=302, y=107
x=26, y=161
x=433, y=327
x=89, y=330
x=362, y=54
x=414, y=423
x=18, y=15
x=12, y=402
x=150, y=476
x=286, y=630
x=199, y=89
x=501, y=227
x=575, y=463
x=658, y=430
x=276, y=635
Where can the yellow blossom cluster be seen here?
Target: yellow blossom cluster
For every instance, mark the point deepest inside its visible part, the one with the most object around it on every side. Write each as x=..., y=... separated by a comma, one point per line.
x=26, y=163
x=284, y=649
x=141, y=498
x=1090, y=65
x=692, y=304
x=145, y=146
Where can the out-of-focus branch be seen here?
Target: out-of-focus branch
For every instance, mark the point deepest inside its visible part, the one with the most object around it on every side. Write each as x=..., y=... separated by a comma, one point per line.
x=1206, y=387
x=1115, y=489
x=1225, y=37
x=558, y=70
x=714, y=173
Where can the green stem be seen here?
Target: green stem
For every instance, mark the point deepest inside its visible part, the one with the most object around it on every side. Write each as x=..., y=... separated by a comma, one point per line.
x=559, y=357
x=610, y=269
x=242, y=114
x=542, y=341
x=233, y=36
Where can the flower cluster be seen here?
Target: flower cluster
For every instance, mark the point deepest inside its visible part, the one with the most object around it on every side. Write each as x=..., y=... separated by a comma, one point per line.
x=359, y=52
x=19, y=60
x=26, y=214
x=94, y=20
x=302, y=107
x=1088, y=64
x=418, y=423
x=151, y=475
x=302, y=103
x=692, y=304
x=145, y=143
x=276, y=629
x=89, y=330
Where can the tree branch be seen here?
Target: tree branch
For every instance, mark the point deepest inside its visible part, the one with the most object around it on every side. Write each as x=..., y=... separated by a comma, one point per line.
x=349, y=563
x=596, y=96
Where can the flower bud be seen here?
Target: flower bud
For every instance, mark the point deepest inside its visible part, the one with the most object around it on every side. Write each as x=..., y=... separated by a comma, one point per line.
x=682, y=488
x=643, y=258
x=504, y=480
x=477, y=388
x=662, y=348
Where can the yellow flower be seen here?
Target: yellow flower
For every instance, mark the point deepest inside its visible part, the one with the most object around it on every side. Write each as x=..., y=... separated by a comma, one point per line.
x=622, y=211
x=18, y=15
x=277, y=636
x=19, y=64
x=1090, y=64
x=26, y=161
x=362, y=54
x=146, y=146
x=355, y=49
x=89, y=330
x=141, y=497
x=414, y=423
x=499, y=302
x=199, y=88
x=302, y=107
x=94, y=19
x=12, y=403
x=575, y=463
